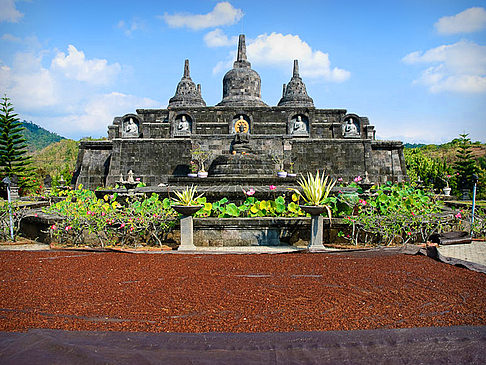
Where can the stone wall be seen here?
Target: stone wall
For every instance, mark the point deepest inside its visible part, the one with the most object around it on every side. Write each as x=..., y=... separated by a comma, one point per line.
x=93, y=163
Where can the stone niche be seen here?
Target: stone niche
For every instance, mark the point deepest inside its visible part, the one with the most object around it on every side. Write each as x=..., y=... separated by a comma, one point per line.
x=182, y=125
x=298, y=126
x=130, y=126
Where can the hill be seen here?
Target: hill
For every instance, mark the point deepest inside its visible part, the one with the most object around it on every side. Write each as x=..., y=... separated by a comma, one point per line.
x=38, y=137
x=56, y=159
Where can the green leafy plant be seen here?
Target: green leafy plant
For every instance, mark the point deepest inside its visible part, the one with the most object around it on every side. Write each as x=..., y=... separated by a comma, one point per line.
x=315, y=189
x=187, y=196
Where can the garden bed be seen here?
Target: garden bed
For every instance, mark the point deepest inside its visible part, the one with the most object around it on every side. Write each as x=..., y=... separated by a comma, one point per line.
x=235, y=293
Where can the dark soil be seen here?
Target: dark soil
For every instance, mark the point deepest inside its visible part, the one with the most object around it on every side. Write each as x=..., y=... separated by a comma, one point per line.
x=234, y=293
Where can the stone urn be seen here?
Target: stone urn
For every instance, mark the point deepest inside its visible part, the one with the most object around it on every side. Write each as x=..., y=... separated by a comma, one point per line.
x=447, y=191
x=192, y=174
x=282, y=173
x=187, y=234
x=187, y=210
x=202, y=174
x=317, y=224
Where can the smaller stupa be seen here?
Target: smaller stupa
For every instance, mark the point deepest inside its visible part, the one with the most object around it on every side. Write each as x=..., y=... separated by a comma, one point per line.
x=295, y=93
x=187, y=93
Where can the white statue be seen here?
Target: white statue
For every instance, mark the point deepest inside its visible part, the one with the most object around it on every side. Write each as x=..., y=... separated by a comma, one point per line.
x=299, y=125
x=130, y=128
x=349, y=128
x=183, y=125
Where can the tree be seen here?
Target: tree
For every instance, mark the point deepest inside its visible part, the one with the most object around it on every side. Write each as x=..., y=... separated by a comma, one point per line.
x=13, y=148
x=465, y=164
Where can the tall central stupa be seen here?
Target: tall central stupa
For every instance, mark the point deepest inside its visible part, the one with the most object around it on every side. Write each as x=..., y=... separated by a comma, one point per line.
x=241, y=84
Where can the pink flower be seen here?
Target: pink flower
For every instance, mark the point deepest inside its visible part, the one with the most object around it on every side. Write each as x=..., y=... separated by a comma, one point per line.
x=357, y=179
x=250, y=192
x=272, y=187
x=131, y=229
x=413, y=214
x=361, y=201
x=103, y=214
x=122, y=225
x=88, y=212
x=137, y=179
x=409, y=233
x=458, y=215
x=53, y=227
x=340, y=179
x=340, y=192
x=68, y=228
x=35, y=215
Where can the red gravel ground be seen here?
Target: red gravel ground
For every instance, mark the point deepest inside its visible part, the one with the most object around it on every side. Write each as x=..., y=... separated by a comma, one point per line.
x=234, y=293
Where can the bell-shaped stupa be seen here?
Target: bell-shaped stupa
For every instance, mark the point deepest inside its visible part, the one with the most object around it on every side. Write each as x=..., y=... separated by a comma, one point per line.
x=241, y=85
x=187, y=93
x=294, y=93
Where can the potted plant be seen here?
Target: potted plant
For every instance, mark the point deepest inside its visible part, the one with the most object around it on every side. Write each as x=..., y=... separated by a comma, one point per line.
x=186, y=201
x=315, y=190
x=447, y=189
x=201, y=156
x=291, y=170
x=193, y=166
x=280, y=166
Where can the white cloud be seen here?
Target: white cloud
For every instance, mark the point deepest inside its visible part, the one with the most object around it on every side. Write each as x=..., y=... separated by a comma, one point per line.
x=223, y=14
x=130, y=27
x=459, y=67
x=467, y=21
x=75, y=66
x=280, y=50
x=216, y=38
x=70, y=95
x=11, y=38
x=98, y=113
x=8, y=12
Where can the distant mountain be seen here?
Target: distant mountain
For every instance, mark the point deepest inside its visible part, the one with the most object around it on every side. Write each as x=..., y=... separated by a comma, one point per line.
x=38, y=137
x=413, y=145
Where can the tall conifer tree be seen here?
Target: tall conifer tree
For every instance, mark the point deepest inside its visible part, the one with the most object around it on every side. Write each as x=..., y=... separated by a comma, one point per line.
x=465, y=164
x=13, y=149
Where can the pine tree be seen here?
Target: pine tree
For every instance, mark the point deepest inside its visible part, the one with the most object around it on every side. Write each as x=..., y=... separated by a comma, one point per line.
x=13, y=148
x=465, y=165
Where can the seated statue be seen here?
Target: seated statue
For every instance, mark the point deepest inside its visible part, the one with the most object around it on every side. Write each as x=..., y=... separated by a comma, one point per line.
x=183, y=125
x=131, y=129
x=241, y=142
x=299, y=125
x=349, y=129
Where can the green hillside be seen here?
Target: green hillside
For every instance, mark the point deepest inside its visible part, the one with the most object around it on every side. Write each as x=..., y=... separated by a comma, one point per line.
x=56, y=159
x=38, y=137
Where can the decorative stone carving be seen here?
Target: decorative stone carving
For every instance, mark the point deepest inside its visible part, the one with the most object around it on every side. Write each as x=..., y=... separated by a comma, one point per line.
x=350, y=128
x=299, y=125
x=239, y=122
x=187, y=93
x=183, y=125
x=295, y=93
x=130, y=128
x=241, y=85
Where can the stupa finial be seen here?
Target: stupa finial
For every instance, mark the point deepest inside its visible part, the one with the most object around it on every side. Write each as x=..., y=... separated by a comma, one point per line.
x=241, y=49
x=186, y=70
x=296, y=68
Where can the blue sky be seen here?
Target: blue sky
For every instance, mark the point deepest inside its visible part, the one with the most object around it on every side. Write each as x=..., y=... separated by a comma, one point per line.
x=416, y=69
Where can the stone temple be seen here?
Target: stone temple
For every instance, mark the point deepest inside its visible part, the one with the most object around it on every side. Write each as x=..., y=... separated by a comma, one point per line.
x=243, y=134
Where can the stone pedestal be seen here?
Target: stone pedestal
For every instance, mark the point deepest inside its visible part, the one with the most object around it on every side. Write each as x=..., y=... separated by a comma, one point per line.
x=317, y=223
x=187, y=235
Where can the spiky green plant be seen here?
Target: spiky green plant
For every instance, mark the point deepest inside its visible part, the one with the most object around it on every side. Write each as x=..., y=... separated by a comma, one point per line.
x=315, y=189
x=187, y=196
